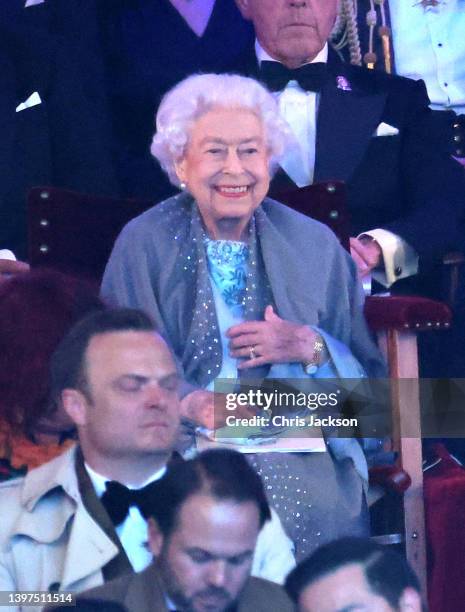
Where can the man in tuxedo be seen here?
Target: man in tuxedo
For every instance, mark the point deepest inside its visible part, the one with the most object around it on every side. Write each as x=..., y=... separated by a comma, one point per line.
x=23, y=154
x=78, y=520
x=205, y=517
x=405, y=197
x=54, y=115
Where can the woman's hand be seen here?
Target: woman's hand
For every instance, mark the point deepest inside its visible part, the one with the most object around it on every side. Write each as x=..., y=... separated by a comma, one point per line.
x=210, y=410
x=273, y=340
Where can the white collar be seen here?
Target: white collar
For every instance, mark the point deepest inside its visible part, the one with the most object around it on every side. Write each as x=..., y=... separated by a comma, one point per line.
x=100, y=481
x=263, y=56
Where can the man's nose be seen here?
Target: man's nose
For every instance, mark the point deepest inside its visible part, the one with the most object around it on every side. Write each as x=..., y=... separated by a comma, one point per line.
x=154, y=395
x=217, y=573
x=233, y=164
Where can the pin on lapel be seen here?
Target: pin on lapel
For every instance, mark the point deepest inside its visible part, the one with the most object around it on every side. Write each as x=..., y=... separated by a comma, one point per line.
x=343, y=83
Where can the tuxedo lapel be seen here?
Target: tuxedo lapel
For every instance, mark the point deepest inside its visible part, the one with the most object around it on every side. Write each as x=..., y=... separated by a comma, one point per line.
x=346, y=122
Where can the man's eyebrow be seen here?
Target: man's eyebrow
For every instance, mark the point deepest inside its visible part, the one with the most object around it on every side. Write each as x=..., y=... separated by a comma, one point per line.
x=138, y=377
x=243, y=555
x=173, y=376
x=196, y=549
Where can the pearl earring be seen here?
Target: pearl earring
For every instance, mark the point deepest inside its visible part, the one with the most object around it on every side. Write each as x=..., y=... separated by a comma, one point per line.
x=182, y=185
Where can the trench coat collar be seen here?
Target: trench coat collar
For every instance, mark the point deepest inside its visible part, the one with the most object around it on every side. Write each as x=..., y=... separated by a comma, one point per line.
x=52, y=504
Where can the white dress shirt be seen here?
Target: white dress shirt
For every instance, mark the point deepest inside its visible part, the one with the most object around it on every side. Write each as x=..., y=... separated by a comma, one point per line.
x=300, y=109
x=274, y=553
x=132, y=532
x=429, y=44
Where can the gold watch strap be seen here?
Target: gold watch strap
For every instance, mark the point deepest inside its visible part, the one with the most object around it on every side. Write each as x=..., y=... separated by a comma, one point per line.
x=311, y=366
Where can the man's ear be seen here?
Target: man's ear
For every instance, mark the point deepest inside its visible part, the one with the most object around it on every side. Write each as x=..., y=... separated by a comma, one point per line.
x=244, y=7
x=410, y=601
x=75, y=405
x=156, y=537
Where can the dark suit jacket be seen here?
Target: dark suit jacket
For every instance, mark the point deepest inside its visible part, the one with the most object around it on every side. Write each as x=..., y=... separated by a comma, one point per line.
x=143, y=593
x=52, y=49
x=100, y=77
x=24, y=151
x=401, y=183
x=148, y=48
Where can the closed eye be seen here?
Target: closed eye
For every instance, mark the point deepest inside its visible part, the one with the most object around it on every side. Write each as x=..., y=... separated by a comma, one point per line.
x=240, y=559
x=199, y=556
x=170, y=383
x=130, y=383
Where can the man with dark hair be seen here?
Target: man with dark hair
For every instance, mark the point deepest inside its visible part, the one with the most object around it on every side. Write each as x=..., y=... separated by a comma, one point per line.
x=78, y=521
x=354, y=574
x=68, y=362
x=223, y=474
x=206, y=515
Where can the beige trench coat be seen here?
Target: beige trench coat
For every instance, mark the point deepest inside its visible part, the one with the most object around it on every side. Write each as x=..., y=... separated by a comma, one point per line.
x=49, y=542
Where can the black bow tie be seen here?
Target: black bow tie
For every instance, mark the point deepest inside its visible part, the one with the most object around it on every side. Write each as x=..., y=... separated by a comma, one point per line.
x=117, y=500
x=310, y=77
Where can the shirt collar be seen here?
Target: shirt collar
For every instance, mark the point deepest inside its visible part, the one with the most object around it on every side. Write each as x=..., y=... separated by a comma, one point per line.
x=263, y=56
x=100, y=481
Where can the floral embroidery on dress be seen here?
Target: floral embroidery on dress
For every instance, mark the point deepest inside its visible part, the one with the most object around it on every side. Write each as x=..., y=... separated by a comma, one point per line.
x=227, y=262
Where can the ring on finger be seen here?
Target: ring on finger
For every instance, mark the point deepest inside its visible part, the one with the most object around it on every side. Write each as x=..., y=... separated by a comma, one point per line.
x=252, y=353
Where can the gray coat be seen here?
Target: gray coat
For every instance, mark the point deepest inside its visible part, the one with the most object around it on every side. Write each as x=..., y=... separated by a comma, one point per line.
x=313, y=279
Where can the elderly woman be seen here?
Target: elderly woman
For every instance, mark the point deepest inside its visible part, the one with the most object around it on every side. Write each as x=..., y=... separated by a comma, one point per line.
x=239, y=283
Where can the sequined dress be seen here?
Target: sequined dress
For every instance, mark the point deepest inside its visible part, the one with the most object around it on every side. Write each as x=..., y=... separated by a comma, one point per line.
x=294, y=482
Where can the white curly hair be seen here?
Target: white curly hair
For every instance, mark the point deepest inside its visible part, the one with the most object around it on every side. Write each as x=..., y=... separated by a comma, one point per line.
x=199, y=93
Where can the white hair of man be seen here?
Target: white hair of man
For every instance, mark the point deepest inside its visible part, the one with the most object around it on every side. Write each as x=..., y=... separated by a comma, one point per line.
x=183, y=105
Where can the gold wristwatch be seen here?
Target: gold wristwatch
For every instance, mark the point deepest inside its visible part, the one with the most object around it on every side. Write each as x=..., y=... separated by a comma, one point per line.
x=310, y=367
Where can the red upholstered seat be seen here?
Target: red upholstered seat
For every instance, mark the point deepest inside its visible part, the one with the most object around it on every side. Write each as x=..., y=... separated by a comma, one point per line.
x=444, y=485
x=406, y=312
